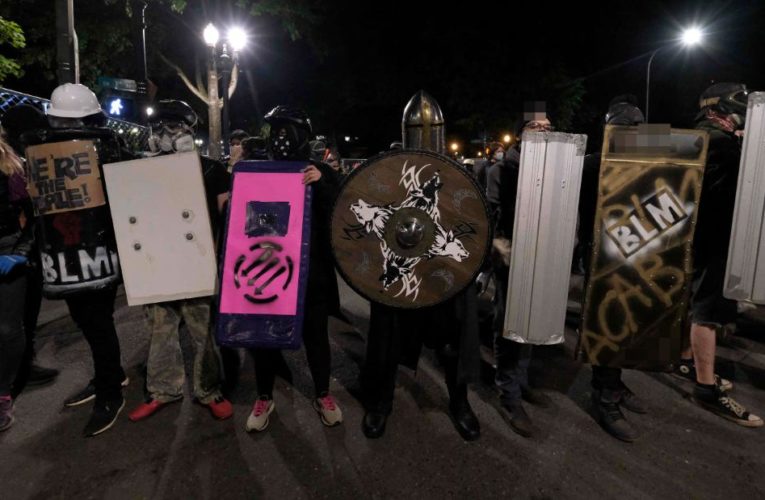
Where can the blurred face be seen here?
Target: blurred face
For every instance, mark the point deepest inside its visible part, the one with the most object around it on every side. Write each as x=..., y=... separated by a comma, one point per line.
x=538, y=125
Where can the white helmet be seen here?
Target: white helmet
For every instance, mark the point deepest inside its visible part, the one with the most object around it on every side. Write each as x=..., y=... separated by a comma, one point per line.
x=73, y=100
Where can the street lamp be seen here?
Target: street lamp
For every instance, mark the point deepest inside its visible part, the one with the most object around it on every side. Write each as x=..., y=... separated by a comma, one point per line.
x=236, y=39
x=507, y=138
x=689, y=37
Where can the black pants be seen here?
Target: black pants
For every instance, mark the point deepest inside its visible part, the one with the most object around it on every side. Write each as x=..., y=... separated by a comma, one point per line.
x=606, y=377
x=93, y=311
x=31, y=313
x=394, y=335
x=12, y=341
x=268, y=362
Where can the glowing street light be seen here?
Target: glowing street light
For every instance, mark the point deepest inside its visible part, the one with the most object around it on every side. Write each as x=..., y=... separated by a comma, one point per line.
x=507, y=138
x=454, y=147
x=237, y=38
x=211, y=35
x=689, y=37
x=149, y=111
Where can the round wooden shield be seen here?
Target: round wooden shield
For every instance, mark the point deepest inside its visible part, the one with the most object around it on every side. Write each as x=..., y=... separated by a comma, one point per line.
x=410, y=229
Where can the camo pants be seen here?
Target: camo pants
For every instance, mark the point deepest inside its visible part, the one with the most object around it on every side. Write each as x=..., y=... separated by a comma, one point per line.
x=165, y=368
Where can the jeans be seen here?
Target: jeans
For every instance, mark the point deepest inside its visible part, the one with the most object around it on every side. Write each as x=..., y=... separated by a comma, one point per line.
x=512, y=358
x=166, y=373
x=93, y=312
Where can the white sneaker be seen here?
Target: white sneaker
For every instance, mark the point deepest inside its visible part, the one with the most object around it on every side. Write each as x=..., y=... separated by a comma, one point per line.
x=261, y=410
x=328, y=410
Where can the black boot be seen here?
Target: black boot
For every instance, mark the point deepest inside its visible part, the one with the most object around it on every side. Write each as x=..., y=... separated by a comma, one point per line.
x=462, y=415
x=373, y=424
x=605, y=407
x=460, y=412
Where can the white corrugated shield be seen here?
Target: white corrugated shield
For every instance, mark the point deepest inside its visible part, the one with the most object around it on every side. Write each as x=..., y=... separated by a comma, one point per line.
x=745, y=273
x=543, y=236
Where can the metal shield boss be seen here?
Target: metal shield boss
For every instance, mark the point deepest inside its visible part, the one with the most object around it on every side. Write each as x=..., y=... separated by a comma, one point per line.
x=410, y=229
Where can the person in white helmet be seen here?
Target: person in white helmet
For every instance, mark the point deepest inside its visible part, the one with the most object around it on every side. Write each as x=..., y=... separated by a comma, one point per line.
x=69, y=239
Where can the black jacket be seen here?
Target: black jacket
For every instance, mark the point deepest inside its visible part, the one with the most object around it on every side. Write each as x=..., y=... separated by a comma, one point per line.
x=718, y=197
x=15, y=240
x=501, y=192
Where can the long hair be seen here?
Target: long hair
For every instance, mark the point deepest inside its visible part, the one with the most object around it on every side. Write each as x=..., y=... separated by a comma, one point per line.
x=10, y=163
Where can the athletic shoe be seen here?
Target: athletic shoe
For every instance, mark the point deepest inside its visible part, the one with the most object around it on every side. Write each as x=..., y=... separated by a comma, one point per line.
x=261, y=410
x=726, y=407
x=104, y=415
x=328, y=410
x=145, y=410
x=6, y=413
x=687, y=371
x=87, y=394
x=220, y=407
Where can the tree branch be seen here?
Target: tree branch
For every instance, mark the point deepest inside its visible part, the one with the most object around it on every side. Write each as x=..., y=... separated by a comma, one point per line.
x=234, y=80
x=185, y=79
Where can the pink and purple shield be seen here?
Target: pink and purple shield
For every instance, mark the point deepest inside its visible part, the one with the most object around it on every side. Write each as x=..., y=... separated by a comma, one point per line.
x=264, y=267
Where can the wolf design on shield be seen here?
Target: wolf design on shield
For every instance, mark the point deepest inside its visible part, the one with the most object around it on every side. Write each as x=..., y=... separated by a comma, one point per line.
x=420, y=195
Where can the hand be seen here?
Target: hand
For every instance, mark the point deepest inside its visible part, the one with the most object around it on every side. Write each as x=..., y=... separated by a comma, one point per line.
x=8, y=262
x=311, y=174
x=482, y=281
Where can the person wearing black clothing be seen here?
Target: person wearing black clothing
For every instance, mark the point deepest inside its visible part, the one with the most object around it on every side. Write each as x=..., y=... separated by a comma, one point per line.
x=609, y=394
x=722, y=114
x=75, y=113
x=512, y=358
x=288, y=141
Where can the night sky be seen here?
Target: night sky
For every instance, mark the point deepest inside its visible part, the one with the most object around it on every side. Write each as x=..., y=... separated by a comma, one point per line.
x=480, y=60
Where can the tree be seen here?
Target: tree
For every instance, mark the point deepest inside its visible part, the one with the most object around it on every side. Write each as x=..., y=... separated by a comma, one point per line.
x=11, y=34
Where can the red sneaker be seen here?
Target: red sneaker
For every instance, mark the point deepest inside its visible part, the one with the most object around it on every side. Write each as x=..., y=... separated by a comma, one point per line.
x=221, y=408
x=145, y=410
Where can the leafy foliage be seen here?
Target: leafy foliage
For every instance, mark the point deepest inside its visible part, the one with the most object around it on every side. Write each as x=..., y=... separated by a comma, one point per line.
x=11, y=34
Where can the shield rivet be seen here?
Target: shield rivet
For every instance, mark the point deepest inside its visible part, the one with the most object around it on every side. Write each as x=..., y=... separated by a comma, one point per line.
x=189, y=236
x=133, y=220
x=137, y=246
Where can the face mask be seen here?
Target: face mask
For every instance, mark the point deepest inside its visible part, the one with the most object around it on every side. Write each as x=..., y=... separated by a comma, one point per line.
x=499, y=156
x=184, y=143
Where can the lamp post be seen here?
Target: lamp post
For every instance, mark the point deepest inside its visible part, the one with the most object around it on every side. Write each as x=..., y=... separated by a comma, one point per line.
x=689, y=38
x=236, y=38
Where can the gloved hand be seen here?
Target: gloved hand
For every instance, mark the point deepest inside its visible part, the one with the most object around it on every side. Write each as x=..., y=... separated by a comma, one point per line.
x=8, y=262
x=482, y=281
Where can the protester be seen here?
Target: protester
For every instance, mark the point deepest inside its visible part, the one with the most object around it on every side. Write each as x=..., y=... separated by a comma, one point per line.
x=722, y=114
x=75, y=112
x=17, y=120
x=173, y=132
x=512, y=358
x=235, y=140
x=15, y=246
x=288, y=141
x=609, y=393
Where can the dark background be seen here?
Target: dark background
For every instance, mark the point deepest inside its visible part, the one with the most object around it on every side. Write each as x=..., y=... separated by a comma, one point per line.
x=353, y=65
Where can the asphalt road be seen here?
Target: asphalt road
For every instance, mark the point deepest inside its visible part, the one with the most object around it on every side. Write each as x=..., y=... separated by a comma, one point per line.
x=683, y=451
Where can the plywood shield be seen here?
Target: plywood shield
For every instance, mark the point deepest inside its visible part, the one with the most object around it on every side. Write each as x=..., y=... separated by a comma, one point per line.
x=162, y=225
x=410, y=229
x=638, y=286
x=265, y=258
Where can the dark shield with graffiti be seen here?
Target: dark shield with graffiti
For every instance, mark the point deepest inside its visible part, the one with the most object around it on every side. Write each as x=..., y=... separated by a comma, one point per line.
x=410, y=229
x=639, y=282
x=74, y=230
